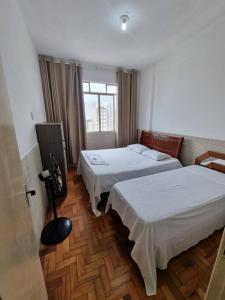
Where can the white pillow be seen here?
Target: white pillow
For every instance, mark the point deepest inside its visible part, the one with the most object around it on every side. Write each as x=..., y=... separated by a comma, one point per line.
x=156, y=155
x=138, y=148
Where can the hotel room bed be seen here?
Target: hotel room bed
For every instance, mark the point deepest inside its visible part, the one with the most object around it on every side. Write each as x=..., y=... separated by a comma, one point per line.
x=124, y=164
x=168, y=213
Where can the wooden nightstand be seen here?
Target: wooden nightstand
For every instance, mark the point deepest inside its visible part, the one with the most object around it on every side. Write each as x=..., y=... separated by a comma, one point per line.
x=212, y=160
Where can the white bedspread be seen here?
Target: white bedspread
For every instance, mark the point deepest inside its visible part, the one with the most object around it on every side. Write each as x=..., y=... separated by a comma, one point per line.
x=123, y=164
x=168, y=213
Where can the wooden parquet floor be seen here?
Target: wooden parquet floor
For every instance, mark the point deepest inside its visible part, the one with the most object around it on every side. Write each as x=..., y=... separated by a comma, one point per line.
x=95, y=263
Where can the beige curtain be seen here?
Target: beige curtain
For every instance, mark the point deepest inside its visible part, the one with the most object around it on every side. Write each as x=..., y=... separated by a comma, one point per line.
x=127, y=107
x=63, y=95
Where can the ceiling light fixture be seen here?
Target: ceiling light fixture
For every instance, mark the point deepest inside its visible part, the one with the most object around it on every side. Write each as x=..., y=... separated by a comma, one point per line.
x=124, y=19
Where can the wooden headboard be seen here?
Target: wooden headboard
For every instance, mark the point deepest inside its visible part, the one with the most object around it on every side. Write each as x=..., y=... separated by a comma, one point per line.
x=212, y=165
x=162, y=142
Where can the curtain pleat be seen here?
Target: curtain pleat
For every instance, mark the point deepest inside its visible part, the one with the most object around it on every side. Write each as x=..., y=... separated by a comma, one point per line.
x=63, y=96
x=127, y=107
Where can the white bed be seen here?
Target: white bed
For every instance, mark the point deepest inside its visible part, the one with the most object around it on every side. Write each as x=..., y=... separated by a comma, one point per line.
x=168, y=213
x=123, y=164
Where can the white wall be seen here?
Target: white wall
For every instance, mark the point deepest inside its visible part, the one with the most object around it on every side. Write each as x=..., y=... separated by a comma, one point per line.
x=101, y=140
x=96, y=73
x=22, y=74
x=23, y=81
x=189, y=93
x=146, y=88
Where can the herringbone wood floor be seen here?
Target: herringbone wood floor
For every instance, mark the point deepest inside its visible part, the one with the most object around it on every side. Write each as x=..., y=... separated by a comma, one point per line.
x=95, y=263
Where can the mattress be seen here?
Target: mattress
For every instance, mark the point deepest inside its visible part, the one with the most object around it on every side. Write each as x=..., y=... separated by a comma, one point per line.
x=123, y=164
x=168, y=213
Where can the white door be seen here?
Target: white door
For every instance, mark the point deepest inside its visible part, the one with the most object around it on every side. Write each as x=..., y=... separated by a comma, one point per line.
x=21, y=276
x=216, y=288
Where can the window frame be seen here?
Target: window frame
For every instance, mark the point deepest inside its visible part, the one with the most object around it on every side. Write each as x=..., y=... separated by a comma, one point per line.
x=99, y=94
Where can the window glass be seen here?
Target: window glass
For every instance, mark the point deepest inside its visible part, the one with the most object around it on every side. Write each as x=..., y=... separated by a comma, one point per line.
x=111, y=89
x=85, y=86
x=91, y=112
x=97, y=87
x=107, y=112
x=99, y=107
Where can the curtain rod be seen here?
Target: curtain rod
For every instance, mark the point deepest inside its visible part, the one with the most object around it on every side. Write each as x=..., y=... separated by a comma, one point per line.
x=59, y=60
x=78, y=63
x=91, y=66
x=127, y=70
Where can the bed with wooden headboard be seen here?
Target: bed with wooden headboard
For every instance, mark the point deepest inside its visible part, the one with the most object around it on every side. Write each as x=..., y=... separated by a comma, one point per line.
x=121, y=164
x=161, y=142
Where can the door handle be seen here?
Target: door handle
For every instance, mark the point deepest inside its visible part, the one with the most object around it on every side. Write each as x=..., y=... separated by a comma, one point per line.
x=31, y=193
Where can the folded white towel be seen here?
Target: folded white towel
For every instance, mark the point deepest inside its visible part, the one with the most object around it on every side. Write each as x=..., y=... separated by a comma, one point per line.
x=95, y=159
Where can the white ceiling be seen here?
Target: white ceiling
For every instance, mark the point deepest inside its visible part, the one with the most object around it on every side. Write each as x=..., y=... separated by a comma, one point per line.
x=89, y=30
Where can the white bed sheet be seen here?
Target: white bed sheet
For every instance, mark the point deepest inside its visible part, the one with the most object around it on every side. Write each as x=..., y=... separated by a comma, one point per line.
x=123, y=164
x=168, y=213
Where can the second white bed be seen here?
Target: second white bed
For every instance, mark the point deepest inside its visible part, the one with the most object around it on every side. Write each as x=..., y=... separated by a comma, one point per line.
x=168, y=213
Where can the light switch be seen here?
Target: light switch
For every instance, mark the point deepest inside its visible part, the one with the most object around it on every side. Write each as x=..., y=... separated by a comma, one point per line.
x=32, y=115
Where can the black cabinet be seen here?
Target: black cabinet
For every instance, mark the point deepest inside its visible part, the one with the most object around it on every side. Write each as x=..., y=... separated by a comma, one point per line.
x=51, y=141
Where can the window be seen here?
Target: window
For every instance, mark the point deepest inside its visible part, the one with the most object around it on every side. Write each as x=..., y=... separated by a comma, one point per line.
x=99, y=102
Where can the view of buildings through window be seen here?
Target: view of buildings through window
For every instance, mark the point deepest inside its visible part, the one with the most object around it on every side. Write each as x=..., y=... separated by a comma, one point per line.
x=100, y=101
